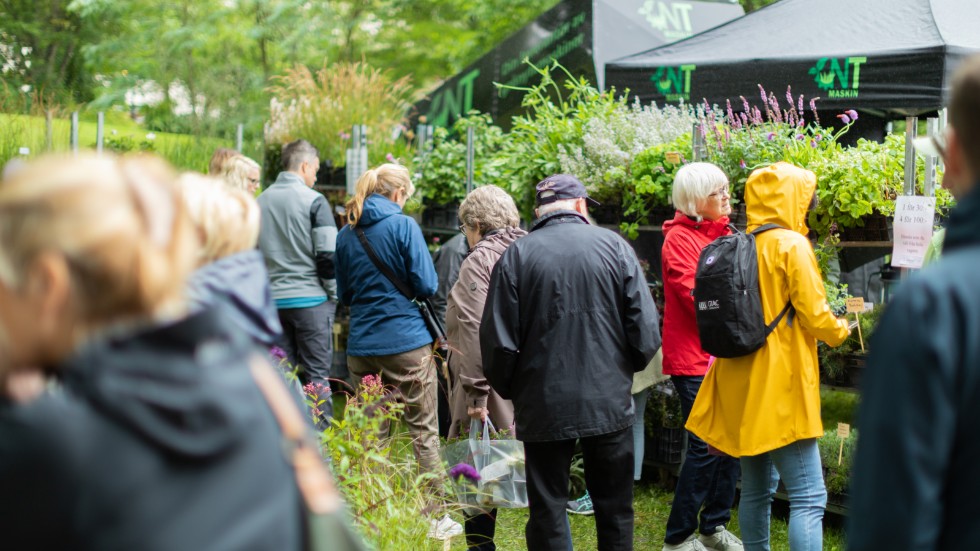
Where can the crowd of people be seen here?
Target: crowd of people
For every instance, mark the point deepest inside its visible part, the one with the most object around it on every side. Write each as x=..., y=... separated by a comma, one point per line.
x=138, y=306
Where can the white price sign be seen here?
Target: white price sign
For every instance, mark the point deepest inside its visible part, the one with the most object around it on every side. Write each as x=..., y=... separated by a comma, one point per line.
x=912, y=229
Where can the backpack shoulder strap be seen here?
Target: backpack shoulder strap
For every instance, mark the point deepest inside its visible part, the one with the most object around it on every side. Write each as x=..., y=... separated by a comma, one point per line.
x=765, y=228
x=399, y=284
x=786, y=309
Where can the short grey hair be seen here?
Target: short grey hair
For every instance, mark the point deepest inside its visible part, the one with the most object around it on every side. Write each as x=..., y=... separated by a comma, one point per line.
x=693, y=184
x=489, y=208
x=296, y=153
x=560, y=204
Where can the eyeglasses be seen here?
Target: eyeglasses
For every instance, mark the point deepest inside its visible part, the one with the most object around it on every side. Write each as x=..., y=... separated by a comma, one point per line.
x=462, y=228
x=723, y=191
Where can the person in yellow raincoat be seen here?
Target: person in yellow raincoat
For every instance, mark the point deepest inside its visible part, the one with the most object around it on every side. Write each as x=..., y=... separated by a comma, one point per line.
x=765, y=407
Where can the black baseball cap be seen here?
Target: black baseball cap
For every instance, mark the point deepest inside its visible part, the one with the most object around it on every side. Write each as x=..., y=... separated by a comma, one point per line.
x=561, y=186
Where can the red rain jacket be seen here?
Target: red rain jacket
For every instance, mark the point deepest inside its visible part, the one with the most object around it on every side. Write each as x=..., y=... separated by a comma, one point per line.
x=683, y=240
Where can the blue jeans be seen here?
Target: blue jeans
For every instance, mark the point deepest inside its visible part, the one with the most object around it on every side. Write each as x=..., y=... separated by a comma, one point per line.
x=705, y=480
x=798, y=465
x=639, y=406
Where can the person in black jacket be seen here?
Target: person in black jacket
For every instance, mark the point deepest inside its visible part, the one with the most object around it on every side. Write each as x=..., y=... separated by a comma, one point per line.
x=916, y=478
x=568, y=321
x=159, y=438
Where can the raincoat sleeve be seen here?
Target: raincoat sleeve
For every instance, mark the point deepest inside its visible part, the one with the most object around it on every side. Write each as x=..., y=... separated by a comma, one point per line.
x=500, y=328
x=680, y=264
x=641, y=320
x=911, y=389
x=469, y=294
x=809, y=297
x=421, y=270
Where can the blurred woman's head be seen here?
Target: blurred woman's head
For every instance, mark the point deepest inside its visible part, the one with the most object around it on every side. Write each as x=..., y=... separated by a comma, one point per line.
x=87, y=243
x=389, y=180
x=485, y=209
x=701, y=191
x=226, y=218
x=242, y=173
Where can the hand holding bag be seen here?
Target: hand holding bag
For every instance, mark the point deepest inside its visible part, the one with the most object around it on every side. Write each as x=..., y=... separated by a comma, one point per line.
x=432, y=322
x=499, y=463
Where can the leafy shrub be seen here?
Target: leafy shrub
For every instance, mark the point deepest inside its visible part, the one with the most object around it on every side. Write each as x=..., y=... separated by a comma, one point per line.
x=653, y=172
x=838, y=475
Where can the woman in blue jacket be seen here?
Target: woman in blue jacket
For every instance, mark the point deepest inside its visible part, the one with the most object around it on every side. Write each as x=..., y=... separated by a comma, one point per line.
x=388, y=336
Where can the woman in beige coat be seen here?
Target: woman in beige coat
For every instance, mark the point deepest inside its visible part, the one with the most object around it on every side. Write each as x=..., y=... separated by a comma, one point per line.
x=490, y=221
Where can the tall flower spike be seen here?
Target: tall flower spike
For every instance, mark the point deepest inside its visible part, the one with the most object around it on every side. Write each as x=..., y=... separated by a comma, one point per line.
x=789, y=96
x=745, y=104
x=799, y=105
x=731, y=115
x=813, y=108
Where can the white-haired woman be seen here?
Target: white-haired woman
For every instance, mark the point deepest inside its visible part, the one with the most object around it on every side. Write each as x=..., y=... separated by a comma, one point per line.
x=702, y=199
x=490, y=222
x=160, y=437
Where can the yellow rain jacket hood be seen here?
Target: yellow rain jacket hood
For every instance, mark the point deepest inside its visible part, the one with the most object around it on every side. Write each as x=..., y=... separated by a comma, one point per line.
x=770, y=398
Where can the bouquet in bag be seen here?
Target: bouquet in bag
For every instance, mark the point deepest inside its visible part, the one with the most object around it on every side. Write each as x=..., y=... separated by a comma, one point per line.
x=485, y=472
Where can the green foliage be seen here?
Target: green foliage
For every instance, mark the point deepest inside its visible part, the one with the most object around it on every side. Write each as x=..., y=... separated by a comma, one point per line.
x=556, y=122
x=376, y=473
x=441, y=178
x=835, y=361
x=663, y=408
x=323, y=107
x=838, y=475
x=652, y=181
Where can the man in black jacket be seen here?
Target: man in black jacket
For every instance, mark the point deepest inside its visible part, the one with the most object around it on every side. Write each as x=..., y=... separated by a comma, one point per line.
x=568, y=320
x=916, y=475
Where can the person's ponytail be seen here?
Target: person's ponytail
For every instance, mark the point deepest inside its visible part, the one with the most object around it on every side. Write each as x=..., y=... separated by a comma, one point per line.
x=365, y=186
x=384, y=180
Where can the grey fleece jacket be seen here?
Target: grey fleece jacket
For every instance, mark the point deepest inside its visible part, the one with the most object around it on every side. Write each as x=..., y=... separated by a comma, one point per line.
x=298, y=238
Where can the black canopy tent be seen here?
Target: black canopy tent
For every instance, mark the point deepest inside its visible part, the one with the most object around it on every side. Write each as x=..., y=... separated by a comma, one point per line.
x=887, y=57
x=582, y=35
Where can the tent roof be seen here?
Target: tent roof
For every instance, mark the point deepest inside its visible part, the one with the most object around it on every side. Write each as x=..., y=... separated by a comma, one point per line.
x=934, y=32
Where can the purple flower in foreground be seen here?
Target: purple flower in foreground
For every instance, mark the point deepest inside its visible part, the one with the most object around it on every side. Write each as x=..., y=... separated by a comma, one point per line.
x=813, y=143
x=278, y=353
x=845, y=118
x=464, y=470
x=852, y=113
x=800, y=136
x=771, y=136
x=742, y=163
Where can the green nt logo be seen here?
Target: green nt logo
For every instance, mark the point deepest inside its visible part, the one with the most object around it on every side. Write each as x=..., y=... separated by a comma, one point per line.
x=674, y=82
x=840, y=78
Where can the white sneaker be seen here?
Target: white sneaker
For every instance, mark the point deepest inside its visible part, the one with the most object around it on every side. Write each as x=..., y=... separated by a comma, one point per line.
x=721, y=540
x=444, y=528
x=690, y=544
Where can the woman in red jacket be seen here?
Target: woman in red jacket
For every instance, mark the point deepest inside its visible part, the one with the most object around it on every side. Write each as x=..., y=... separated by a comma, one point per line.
x=701, y=197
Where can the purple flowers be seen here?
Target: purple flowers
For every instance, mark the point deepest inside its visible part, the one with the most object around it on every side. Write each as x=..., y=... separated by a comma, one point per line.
x=390, y=158
x=742, y=163
x=845, y=118
x=277, y=354
x=848, y=116
x=771, y=136
x=462, y=470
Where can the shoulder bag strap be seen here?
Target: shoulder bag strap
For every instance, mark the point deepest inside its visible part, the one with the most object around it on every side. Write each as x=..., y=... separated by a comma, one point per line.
x=399, y=284
x=315, y=484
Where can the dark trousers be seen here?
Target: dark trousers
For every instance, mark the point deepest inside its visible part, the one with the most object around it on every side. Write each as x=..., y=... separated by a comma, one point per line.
x=705, y=479
x=307, y=339
x=608, y=477
x=480, y=529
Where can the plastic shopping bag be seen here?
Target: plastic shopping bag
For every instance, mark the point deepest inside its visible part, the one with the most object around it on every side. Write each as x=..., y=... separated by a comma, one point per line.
x=497, y=477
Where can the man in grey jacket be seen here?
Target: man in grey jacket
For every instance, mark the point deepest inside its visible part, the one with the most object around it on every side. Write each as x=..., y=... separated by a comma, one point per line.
x=298, y=237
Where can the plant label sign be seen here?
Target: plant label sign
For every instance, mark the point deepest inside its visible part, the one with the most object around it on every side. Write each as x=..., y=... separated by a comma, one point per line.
x=843, y=430
x=673, y=157
x=913, y=230
x=855, y=305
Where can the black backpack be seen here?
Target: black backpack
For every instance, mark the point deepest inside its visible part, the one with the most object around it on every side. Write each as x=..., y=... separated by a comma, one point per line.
x=727, y=302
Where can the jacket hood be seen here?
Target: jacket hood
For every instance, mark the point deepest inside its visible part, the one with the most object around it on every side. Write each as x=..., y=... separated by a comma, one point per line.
x=498, y=240
x=241, y=280
x=779, y=194
x=711, y=228
x=376, y=208
x=184, y=387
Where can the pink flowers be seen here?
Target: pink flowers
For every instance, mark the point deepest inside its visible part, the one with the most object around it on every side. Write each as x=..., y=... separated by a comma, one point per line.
x=390, y=158
x=848, y=116
x=371, y=381
x=277, y=354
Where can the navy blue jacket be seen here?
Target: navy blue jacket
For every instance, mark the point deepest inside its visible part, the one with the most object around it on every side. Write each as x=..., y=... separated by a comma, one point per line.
x=382, y=320
x=916, y=473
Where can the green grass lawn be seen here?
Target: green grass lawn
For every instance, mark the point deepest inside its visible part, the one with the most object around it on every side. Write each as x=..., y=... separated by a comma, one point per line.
x=651, y=505
x=183, y=151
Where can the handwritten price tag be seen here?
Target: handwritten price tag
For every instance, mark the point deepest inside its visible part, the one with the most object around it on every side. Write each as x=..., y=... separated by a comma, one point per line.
x=673, y=157
x=855, y=305
x=843, y=430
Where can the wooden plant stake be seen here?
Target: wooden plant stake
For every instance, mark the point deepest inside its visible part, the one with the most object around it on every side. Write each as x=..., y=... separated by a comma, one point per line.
x=855, y=305
x=843, y=431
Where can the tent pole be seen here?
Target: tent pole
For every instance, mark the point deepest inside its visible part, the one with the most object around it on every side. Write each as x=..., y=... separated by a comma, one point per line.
x=911, y=124
x=929, y=185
